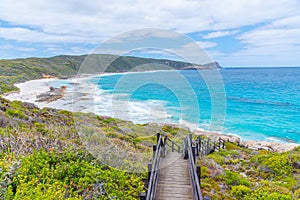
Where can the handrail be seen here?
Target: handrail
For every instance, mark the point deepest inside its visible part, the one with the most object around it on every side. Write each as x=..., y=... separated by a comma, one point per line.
x=207, y=146
x=194, y=176
x=153, y=180
x=173, y=144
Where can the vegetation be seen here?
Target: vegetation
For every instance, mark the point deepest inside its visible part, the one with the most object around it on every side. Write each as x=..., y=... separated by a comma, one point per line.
x=239, y=173
x=43, y=155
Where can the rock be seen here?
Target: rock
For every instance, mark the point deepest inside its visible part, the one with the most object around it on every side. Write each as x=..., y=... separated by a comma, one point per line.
x=206, y=198
x=265, y=169
x=296, y=164
x=3, y=109
x=270, y=146
x=52, y=95
x=251, y=144
x=29, y=105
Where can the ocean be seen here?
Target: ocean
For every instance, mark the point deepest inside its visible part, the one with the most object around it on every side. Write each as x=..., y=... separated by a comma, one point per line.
x=256, y=104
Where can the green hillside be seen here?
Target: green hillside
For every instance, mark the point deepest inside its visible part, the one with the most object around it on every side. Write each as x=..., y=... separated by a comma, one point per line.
x=21, y=70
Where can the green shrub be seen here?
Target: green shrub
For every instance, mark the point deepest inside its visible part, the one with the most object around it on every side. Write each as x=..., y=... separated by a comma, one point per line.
x=279, y=163
x=41, y=128
x=234, y=178
x=16, y=104
x=216, y=157
x=231, y=146
x=204, y=172
x=15, y=113
x=54, y=175
x=264, y=194
x=239, y=191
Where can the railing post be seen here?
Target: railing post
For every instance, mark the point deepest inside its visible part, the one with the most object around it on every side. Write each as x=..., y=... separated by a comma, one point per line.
x=199, y=141
x=198, y=170
x=154, y=147
x=214, y=145
x=172, y=146
x=143, y=196
x=164, y=152
x=197, y=146
x=185, y=150
x=165, y=140
x=157, y=137
x=149, y=175
x=194, y=153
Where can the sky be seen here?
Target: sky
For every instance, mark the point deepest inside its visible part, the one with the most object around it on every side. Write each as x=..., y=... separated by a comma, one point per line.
x=243, y=33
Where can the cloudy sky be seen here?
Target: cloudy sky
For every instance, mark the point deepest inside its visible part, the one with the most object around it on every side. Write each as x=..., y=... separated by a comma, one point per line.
x=233, y=32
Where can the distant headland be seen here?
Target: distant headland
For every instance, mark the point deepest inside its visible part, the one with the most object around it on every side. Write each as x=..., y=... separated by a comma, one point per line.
x=65, y=66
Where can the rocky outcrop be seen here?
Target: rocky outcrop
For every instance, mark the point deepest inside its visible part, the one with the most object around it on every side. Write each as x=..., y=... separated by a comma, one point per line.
x=213, y=65
x=255, y=145
x=52, y=95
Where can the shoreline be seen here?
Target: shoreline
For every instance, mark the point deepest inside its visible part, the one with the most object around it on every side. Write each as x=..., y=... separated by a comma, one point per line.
x=28, y=92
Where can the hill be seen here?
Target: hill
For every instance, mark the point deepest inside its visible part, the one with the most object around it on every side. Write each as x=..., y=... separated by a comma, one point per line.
x=21, y=70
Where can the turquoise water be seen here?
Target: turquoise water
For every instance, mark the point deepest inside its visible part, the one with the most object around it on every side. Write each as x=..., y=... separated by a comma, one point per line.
x=261, y=103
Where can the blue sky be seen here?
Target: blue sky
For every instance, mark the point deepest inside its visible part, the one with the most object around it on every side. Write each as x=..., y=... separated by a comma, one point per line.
x=233, y=32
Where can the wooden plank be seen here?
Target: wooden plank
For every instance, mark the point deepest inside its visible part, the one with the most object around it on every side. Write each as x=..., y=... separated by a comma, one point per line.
x=174, y=182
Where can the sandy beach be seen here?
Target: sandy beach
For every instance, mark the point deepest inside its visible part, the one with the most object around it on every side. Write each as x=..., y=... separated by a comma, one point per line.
x=29, y=91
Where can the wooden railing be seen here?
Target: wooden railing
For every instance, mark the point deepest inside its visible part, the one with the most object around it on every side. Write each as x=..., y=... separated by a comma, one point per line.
x=189, y=153
x=205, y=146
x=154, y=169
x=173, y=145
x=159, y=151
x=190, y=149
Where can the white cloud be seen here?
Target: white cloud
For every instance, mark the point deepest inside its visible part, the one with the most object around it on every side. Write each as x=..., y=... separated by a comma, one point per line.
x=26, y=49
x=217, y=34
x=206, y=44
x=93, y=21
x=267, y=47
x=99, y=20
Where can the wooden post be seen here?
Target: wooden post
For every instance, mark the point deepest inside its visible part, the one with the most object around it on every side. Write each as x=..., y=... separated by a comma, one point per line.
x=172, y=146
x=143, y=196
x=194, y=153
x=185, y=150
x=214, y=146
x=207, y=146
x=154, y=147
x=197, y=148
x=198, y=170
x=157, y=137
x=165, y=140
x=200, y=141
x=164, y=152
x=148, y=175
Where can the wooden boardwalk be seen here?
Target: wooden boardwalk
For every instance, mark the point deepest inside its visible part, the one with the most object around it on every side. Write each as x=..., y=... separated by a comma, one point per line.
x=174, y=180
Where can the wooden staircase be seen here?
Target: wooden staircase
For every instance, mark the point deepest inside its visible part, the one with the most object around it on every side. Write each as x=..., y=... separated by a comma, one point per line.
x=170, y=176
x=174, y=181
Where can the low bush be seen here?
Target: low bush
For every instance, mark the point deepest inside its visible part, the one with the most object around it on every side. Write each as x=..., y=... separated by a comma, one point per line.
x=240, y=191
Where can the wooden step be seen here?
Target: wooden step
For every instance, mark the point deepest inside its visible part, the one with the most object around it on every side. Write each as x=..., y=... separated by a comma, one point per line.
x=174, y=182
